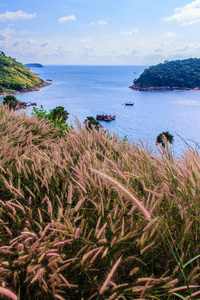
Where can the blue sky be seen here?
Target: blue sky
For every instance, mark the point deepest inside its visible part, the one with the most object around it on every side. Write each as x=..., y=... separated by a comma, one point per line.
x=100, y=32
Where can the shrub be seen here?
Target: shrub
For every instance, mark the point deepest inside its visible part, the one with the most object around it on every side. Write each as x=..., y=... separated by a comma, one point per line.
x=164, y=137
x=57, y=116
x=91, y=122
x=11, y=101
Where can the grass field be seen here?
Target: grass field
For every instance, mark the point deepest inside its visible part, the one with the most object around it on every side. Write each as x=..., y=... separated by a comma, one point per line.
x=88, y=216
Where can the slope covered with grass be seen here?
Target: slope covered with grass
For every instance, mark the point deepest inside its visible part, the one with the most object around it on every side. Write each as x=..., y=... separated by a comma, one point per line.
x=87, y=216
x=15, y=76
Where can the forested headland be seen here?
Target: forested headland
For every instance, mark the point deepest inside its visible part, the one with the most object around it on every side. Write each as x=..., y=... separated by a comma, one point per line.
x=177, y=74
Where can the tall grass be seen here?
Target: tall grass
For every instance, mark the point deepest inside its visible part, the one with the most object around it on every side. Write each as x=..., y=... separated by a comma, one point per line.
x=86, y=216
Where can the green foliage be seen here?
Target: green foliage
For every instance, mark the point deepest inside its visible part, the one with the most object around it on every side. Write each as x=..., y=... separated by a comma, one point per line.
x=178, y=73
x=56, y=116
x=11, y=101
x=59, y=114
x=15, y=76
x=91, y=122
x=164, y=135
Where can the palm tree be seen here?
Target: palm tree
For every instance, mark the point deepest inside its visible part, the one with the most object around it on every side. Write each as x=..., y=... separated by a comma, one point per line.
x=162, y=137
x=11, y=101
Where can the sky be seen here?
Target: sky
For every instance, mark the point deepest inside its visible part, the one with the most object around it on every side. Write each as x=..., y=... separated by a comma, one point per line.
x=100, y=32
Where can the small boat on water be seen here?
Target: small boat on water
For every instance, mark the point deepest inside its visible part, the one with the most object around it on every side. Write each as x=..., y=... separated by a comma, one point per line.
x=129, y=103
x=105, y=117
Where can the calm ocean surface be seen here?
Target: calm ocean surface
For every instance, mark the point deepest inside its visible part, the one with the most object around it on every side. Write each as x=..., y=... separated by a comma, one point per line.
x=91, y=90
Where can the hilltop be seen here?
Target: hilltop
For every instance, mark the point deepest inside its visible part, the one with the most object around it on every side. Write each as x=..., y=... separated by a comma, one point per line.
x=170, y=75
x=15, y=77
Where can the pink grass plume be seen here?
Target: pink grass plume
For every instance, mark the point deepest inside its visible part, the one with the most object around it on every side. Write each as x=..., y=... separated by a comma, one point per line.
x=108, y=278
x=76, y=233
x=133, y=199
x=8, y=293
x=28, y=224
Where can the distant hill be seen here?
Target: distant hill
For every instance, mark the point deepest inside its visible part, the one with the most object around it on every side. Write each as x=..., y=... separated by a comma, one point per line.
x=33, y=65
x=16, y=77
x=177, y=74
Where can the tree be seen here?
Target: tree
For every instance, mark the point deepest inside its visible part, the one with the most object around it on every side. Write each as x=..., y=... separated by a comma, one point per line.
x=56, y=116
x=59, y=114
x=11, y=101
x=91, y=122
x=164, y=135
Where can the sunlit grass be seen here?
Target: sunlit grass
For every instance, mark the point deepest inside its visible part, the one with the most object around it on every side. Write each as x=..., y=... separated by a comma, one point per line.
x=87, y=216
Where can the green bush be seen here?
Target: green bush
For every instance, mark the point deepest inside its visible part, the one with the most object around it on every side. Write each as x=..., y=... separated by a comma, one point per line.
x=91, y=122
x=11, y=101
x=56, y=116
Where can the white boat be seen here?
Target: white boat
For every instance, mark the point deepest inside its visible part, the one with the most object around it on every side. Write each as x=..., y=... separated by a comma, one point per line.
x=129, y=103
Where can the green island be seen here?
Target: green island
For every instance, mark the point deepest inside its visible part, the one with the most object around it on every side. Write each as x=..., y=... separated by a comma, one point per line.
x=84, y=215
x=15, y=77
x=33, y=65
x=170, y=75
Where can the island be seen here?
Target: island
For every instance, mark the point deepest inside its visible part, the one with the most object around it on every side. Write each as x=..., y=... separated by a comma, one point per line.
x=33, y=65
x=16, y=78
x=170, y=75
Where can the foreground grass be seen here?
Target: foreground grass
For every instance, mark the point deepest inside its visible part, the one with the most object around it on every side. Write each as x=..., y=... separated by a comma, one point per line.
x=86, y=217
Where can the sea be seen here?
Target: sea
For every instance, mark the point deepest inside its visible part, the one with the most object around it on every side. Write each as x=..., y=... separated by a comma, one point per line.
x=90, y=90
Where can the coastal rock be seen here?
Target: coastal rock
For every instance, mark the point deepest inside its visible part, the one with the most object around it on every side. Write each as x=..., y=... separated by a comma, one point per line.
x=35, y=88
x=24, y=105
x=161, y=88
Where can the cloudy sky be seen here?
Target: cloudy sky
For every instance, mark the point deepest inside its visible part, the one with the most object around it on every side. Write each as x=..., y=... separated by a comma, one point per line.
x=100, y=32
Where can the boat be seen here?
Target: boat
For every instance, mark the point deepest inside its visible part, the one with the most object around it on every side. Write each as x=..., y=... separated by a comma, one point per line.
x=129, y=103
x=107, y=118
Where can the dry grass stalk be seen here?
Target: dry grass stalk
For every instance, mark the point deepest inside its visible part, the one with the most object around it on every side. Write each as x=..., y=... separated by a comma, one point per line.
x=59, y=220
x=110, y=275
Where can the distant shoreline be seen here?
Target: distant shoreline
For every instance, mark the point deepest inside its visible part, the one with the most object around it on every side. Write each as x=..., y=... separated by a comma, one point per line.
x=35, y=88
x=161, y=88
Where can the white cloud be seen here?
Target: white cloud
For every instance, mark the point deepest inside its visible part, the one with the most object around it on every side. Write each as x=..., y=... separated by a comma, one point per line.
x=163, y=44
x=30, y=42
x=102, y=22
x=170, y=34
x=187, y=15
x=46, y=43
x=140, y=44
x=24, y=32
x=10, y=16
x=135, y=31
x=88, y=40
x=67, y=19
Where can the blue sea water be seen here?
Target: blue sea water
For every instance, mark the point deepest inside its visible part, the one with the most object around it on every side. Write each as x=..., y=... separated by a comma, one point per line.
x=91, y=90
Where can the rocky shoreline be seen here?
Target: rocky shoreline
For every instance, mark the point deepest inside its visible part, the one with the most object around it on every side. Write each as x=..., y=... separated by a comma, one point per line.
x=161, y=88
x=35, y=88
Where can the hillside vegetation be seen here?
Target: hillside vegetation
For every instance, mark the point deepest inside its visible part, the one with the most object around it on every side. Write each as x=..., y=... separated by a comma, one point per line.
x=86, y=216
x=178, y=73
x=15, y=76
